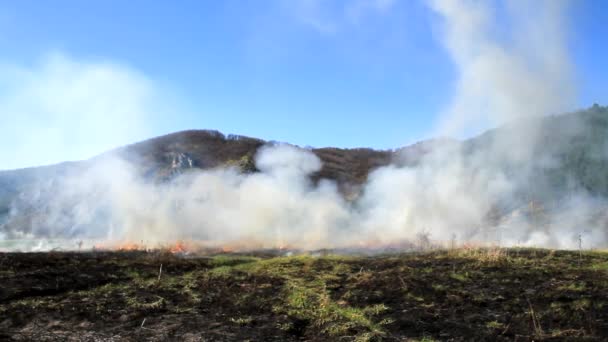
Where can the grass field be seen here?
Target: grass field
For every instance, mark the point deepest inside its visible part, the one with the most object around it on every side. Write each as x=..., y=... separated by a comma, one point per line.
x=460, y=295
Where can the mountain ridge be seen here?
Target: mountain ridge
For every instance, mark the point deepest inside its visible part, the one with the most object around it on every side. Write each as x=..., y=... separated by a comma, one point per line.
x=569, y=156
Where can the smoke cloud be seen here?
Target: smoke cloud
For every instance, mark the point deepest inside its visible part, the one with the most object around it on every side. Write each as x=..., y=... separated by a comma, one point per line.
x=504, y=76
x=71, y=109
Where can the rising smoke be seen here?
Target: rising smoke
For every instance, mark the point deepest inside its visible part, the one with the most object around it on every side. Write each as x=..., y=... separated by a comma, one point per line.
x=454, y=192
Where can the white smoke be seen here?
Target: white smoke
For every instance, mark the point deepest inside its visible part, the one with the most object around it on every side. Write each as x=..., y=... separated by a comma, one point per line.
x=474, y=194
x=504, y=76
x=62, y=108
x=278, y=206
x=512, y=77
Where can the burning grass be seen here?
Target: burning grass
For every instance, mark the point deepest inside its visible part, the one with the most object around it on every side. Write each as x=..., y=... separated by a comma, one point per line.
x=462, y=294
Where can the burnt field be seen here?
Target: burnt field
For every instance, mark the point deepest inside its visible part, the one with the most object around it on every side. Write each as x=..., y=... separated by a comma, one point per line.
x=458, y=295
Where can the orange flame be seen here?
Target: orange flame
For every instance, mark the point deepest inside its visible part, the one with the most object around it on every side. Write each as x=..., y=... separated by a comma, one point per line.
x=179, y=247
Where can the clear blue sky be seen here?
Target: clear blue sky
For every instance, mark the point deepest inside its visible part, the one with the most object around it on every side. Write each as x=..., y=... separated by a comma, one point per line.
x=328, y=73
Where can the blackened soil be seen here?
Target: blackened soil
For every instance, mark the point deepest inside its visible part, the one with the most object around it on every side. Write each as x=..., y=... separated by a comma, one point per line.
x=459, y=295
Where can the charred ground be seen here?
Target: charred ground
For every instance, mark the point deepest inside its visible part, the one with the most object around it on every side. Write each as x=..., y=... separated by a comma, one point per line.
x=455, y=295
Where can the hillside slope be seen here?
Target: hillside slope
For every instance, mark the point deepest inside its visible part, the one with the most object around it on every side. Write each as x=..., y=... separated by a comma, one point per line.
x=570, y=156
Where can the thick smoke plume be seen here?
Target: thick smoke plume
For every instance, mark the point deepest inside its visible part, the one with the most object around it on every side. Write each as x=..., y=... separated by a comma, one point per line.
x=457, y=192
x=63, y=108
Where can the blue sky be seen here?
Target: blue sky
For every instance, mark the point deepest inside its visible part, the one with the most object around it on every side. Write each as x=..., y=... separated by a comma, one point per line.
x=310, y=72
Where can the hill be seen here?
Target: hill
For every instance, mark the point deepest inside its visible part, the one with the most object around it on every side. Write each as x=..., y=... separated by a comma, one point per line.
x=569, y=156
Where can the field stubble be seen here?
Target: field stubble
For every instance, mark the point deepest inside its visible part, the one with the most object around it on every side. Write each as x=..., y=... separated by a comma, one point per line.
x=459, y=295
